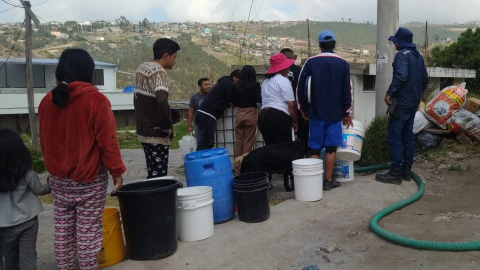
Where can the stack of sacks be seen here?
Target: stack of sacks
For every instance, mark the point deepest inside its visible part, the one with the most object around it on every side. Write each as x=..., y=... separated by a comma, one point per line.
x=440, y=109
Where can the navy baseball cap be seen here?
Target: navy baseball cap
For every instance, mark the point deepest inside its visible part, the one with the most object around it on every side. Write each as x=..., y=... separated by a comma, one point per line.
x=326, y=36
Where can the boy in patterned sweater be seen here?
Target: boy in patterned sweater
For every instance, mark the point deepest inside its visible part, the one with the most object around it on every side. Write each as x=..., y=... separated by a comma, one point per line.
x=152, y=110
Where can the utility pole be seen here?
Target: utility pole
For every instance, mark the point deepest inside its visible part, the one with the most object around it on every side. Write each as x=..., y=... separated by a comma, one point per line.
x=28, y=54
x=425, y=53
x=240, y=55
x=309, y=51
x=387, y=25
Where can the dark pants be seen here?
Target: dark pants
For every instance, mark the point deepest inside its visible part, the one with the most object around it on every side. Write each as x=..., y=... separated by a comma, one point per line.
x=18, y=244
x=207, y=126
x=401, y=141
x=275, y=126
x=303, y=129
x=156, y=156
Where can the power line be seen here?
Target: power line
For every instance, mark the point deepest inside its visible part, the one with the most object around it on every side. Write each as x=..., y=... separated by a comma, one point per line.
x=246, y=28
x=11, y=50
x=7, y=9
x=41, y=3
x=256, y=14
x=235, y=10
x=11, y=4
x=14, y=6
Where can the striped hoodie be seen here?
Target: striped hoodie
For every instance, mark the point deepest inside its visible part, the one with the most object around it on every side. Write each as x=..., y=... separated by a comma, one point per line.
x=331, y=91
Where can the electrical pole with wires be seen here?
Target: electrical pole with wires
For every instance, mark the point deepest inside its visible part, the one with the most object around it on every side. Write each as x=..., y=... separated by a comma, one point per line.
x=28, y=55
x=309, y=51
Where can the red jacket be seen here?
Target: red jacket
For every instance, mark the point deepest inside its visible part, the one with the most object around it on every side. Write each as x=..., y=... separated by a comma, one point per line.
x=78, y=138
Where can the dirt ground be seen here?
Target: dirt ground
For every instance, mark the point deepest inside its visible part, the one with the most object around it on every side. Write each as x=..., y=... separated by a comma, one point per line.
x=297, y=233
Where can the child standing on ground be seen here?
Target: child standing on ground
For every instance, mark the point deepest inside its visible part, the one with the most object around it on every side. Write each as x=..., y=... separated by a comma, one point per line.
x=20, y=206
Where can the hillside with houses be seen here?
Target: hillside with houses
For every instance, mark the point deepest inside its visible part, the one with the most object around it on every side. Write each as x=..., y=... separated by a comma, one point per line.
x=208, y=50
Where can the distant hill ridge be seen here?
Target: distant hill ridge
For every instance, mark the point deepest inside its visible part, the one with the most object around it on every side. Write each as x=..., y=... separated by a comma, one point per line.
x=358, y=34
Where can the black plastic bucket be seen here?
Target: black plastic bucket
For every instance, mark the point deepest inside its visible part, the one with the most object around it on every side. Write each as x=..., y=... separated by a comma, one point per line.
x=149, y=218
x=251, y=196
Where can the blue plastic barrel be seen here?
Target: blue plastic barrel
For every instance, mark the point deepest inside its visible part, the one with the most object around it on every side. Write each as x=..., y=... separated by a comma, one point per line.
x=212, y=168
x=129, y=89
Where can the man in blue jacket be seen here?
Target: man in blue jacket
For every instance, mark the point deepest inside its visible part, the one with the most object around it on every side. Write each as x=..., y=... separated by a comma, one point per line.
x=328, y=103
x=410, y=79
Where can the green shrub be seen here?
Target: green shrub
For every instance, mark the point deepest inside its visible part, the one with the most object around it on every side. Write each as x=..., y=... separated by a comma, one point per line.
x=26, y=138
x=375, y=148
x=37, y=160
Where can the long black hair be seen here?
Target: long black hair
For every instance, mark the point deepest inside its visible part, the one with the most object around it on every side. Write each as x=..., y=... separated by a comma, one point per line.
x=247, y=80
x=73, y=65
x=15, y=160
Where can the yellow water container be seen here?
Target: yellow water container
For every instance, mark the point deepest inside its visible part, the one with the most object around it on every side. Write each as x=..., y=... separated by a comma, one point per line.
x=113, y=248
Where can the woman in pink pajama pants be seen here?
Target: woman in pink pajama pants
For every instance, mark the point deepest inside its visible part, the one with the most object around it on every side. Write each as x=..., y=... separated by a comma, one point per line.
x=78, y=136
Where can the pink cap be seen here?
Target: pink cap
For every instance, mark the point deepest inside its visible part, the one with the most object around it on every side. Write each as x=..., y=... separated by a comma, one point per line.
x=279, y=62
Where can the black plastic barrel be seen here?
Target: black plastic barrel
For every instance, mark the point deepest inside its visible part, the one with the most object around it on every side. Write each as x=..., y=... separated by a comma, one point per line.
x=251, y=196
x=149, y=218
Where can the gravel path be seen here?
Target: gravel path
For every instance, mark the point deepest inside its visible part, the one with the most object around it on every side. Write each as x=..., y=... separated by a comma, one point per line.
x=134, y=160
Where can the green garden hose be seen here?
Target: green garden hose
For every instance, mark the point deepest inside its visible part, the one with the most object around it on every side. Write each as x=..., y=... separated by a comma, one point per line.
x=405, y=241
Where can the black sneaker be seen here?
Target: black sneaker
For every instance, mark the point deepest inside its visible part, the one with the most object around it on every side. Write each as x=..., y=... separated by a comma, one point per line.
x=406, y=174
x=391, y=177
x=329, y=185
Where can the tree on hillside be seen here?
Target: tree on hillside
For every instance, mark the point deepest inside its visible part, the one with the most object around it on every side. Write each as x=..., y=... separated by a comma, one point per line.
x=145, y=23
x=70, y=23
x=123, y=22
x=462, y=54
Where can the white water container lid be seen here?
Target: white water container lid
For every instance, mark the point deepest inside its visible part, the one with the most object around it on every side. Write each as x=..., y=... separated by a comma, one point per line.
x=307, y=162
x=188, y=138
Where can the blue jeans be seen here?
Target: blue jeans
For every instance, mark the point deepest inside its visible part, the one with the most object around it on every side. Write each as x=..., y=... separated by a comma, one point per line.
x=401, y=141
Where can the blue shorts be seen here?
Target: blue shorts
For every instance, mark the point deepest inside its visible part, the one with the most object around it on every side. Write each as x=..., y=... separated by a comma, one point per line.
x=325, y=133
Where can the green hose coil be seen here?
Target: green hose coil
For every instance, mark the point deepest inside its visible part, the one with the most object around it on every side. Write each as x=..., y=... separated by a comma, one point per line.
x=405, y=241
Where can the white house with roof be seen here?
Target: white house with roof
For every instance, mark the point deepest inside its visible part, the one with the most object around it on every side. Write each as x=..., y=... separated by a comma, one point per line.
x=13, y=88
x=13, y=76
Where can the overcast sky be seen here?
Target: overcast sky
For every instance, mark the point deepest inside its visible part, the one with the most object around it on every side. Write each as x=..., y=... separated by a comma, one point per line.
x=434, y=11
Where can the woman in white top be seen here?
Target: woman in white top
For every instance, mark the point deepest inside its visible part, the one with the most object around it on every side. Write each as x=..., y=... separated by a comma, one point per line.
x=279, y=113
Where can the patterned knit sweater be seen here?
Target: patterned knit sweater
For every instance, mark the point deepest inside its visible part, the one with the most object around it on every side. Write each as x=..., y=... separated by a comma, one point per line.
x=152, y=110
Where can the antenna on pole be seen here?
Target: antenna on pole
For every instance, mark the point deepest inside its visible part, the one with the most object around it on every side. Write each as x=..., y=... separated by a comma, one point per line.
x=309, y=50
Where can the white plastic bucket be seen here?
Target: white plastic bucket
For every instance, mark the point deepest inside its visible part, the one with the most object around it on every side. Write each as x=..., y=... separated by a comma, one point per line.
x=195, y=213
x=352, y=142
x=308, y=174
x=343, y=170
x=188, y=144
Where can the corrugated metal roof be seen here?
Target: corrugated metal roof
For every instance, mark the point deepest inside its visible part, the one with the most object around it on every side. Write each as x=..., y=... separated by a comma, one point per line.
x=49, y=62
